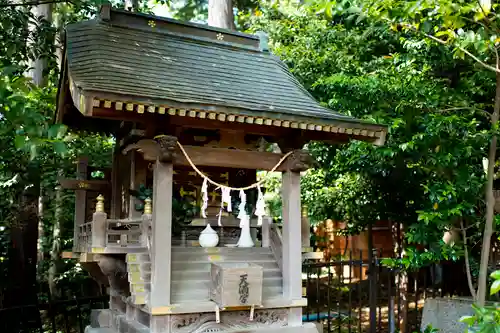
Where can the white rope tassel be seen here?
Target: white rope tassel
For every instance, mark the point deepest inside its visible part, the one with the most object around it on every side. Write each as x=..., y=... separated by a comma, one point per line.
x=260, y=206
x=226, y=198
x=242, y=207
x=219, y=220
x=204, y=195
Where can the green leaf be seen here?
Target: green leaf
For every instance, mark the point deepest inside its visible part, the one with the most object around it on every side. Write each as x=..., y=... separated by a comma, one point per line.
x=33, y=151
x=59, y=147
x=469, y=320
x=485, y=6
x=56, y=131
x=20, y=141
x=495, y=275
x=495, y=287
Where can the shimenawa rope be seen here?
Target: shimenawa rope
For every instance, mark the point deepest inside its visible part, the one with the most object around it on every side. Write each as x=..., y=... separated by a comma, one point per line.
x=254, y=185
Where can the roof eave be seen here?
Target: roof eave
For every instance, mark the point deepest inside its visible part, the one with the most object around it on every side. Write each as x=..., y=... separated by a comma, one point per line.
x=87, y=101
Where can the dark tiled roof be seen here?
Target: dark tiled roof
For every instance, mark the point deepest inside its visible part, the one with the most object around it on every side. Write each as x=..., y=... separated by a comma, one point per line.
x=143, y=58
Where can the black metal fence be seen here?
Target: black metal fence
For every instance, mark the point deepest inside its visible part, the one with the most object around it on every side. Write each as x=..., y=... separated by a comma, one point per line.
x=353, y=293
x=356, y=293
x=61, y=316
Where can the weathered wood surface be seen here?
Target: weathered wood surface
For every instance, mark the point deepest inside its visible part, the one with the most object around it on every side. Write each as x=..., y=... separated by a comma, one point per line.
x=224, y=157
x=236, y=284
x=80, y=198
x=292, y=245
x=84, y=185
x=161, y=235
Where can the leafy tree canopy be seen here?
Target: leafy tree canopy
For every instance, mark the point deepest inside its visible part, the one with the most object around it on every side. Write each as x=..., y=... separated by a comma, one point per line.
x=429, y=175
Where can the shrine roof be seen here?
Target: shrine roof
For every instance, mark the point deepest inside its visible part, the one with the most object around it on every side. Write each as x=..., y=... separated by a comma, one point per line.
x=129, y=61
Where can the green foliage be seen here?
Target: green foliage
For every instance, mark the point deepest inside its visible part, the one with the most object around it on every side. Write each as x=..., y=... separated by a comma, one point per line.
x=35, y=151
x=430, y=329
x=197, y=10
x=183, y=212
x=142, y=194
x=428, y=176
x=486, y=319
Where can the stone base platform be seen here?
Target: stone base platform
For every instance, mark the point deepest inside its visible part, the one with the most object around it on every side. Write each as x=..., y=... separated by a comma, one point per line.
x=305, y=328
x=266, y=320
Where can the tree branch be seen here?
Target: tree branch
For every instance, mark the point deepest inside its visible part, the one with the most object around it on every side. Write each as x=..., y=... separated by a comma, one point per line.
x=458, y=108
x=32, y=3
x=496, y=55
x=442, y=42
x=467, y=263
x=482, y=63
x=485, y=15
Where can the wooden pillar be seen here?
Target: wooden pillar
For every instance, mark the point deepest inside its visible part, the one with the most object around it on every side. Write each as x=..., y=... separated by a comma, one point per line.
x=266, y=230
x=292, y=244
x=80, y=201
x=292, y=235
x=99, y=227
x=133, y=185
x=305, y=231
x=116, y=185
x=162, y=225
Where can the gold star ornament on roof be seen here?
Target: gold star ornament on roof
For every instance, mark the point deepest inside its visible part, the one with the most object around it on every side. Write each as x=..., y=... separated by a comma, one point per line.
x=152, y=23
x=220, y=36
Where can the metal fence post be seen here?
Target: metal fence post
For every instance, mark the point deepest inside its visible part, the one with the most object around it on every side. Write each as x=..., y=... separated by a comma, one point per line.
x=372, y=280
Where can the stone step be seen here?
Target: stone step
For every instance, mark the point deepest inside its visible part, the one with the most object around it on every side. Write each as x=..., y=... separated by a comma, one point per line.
x=183, y=296
x=195, y=243
x=205, y=265
x=242, y=257
x=137, y=257
x=89, y=329
x=139, y=267
x=130, y=326
x=201, y=285
x=215, y=250
x=134, y=277
x=205, y=274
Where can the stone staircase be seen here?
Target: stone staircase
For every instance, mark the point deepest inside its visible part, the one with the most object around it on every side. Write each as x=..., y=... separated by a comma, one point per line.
x=191, y=271
x=139, y=276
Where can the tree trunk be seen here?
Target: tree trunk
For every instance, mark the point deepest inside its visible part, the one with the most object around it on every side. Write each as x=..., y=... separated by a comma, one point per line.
x=132, y=5
x=23, y=253
x=220, y=14
x=23, y=249
x=55, y=253
x=39, y=66
x=490, y=205
x=41, y=231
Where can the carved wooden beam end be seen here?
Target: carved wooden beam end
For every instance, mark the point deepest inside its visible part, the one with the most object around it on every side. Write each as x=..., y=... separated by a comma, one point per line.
x=168, y=148
x=149, y=148
x=162, y=147
x=300, y=160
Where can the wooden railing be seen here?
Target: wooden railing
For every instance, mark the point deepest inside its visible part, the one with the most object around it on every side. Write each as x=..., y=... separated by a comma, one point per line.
x=276, y=244
x=103, y=233
x=124, y=233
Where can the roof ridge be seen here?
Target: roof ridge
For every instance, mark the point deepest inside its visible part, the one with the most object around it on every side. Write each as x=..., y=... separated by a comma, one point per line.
x=181, y=29
x=186, y=23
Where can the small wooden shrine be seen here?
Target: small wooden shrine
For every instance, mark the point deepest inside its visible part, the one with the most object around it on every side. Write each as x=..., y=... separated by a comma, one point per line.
x=190, y=106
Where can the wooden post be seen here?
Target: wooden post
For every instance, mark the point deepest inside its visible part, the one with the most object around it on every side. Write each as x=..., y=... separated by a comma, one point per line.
x=292, y=245
x=116, y=179
x=133, y=185
x=305, y=231
x=266, y=229
x=99, y=237
x=292, y=236
x=80, y=201
x=146, y=223
x=162, y=225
